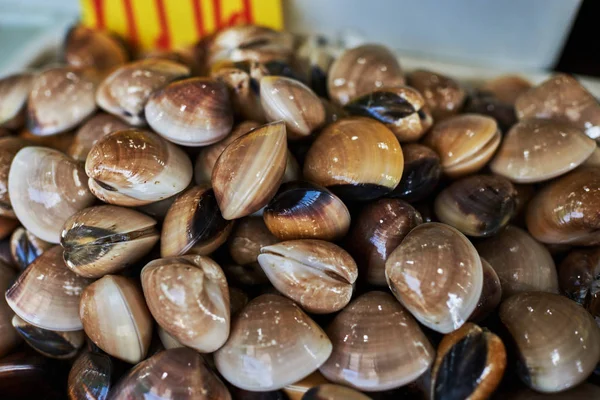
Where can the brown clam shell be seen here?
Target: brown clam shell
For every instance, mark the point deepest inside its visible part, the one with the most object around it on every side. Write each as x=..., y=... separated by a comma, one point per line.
x=248, y=238
x=558, y=341
x=507, y=88
x=333, y=392
x=87, y=47
x=249, y=171
x=578, y=274
x=363, y=355
x=491, y=293
x=296, y=390
x=90, y=377
x=188, y=297
x=91, y=131
x=53, y=344
x=272, y=343
x=9, y=147
x=436, y=274
x=443, y=95
x=14, y=90
x=9, y=338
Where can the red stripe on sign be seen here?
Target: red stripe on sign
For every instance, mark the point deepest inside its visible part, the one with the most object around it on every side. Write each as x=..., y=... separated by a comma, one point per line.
x=248, y=11
x=198, y=17
x=99, y=10
x=132, y=32
x=163, y=41
x=217, y=11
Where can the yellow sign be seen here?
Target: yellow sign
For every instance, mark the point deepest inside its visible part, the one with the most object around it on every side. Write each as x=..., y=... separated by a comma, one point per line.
x=167, y=24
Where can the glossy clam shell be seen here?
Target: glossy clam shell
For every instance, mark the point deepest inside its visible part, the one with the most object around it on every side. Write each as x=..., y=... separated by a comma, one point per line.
x=272, y=343
x=296, y=390
x=105, y=239
x=116, y=319
x=361, y=70
x=248, y=238
x=558, y=341
x=146, y=170
x=53, y=344
x=188, y=297
x=171, y=374
x=91, y=131
x=316, y=274
x=46, y=188
x=536, y=150
x=578, y=274
x=9, y=147
x=436, y=274
x=465, y=143
x=47, y=293
x=87, y=47
x=421, y=174
x=302, y=210
x=507, y=88
x=193, y=224
x=14, y=90
x=566, y=210
x=249, y=171
x=114, y=94
x=491, y=293
x=522, y=264
x=9, y=339
x=477, y=205
x=443, y=95
x=363, y=355
x=90, y=377
x=72, y=88
x=378, y=230
x=356, y=158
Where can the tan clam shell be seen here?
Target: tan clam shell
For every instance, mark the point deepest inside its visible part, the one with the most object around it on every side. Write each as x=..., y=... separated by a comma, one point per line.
x=91, y=131
x=9, y=147
x=188, y=297
x=190, y=112
x=316, y=274
x=249, y=171
x=182, y=55
x=507, y=88
x=248, y=238
x=47, y=293
x=87, y=47
x=146, y=170
x=536, y=150
x=465, y=143
x=443, y=95
x=116, y=319
x=71, y=88
x=361, y=70
x=521, y=263
x=364, y=354
x=272, y=343
x=14, y=90
x=9, y=338
x=558, y=341
x=114, y=94
x=46, y=188
x=566, y=211
x=436, y=274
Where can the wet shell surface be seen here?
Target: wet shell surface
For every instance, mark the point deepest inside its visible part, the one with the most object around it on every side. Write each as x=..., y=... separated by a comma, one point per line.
x=248, y=238
x=14, y=90
x=9, y=147
x=91, y=131
x=9, y=338
x=87, y=47
x=53, y=344
x=90, y=377
x=443, y=95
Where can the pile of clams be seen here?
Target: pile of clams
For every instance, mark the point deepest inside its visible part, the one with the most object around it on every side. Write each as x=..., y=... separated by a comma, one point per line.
x=262, y=216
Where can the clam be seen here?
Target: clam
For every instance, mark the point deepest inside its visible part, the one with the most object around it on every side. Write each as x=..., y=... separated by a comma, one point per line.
x=114, y=95
x=272, y=343
x=90, y=377
x=484, y=102
x=314, y=59
x=105, y=239
x=356, y=158
x=87, y=47
x=167, y=340
x=73, y=88
x=421, y=174
x=562, y=98
x=9, y=339
x=316, y=274
x=181, y=55
x=361, y=70
x=579, y=274
x=46, y=188
x=292, y=102
x=296, y=390
x=190, y=112
x=61, y=141
x=558, y=341
x=14, y=90
x=363, y=355
x=402, y=109
x=9, y=147
x=507, y=88
x=248, y=238
x=477, y=205
x=491, y=293
x=566, y=210
x=188, y=297
x=302, y=210
x=116, y=319
x=193, y=224
x=465, y=143
x=536, y=150
x=47, y=293
x=171, y=374
x=134, y=167
x=53, y=344
x=249, y=171
x=91, y=131
x=245, y=275
x=379, y=229
x=443, y=95
x=333, y=392
x=469, y=364
x=585, y=391
x=521, y=263
x=436, y=274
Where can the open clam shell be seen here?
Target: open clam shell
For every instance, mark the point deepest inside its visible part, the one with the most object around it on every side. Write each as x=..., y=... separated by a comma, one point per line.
x=14, y=90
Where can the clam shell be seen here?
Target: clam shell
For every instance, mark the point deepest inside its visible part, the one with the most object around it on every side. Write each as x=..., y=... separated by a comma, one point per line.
x=436, y=274
x=491, y=293
x=486, y=103
x=9, y=147
x=60, y=141
x=188, y=297
x=363, y=355
x=443, y=95
x=356, y=158
x=53, y=344
x=91, y=131
x=272, y=343
x=116, y=319
x=249, y=171
x=167, y=340
x=105, y=239
x=90, y=377
x=507, y=88
x=296, y=390
x=333, y=392
x=578, y=274
x=47, y=293
x=9, y=339
x=248, y=238
x=146, y=170
x=585, y=391
x=87, y=47
x=14, y=90
x=558, y=341
x=421, y=174
x=46, y=188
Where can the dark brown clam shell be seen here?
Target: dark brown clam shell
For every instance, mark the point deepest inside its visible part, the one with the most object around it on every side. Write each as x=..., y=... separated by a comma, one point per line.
x=485, y=103
x=53, y=344
x=579, y=274
x=90, y=377
x=443, y=95
x=249, y=236
x=25, y=247
x=421, y=175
